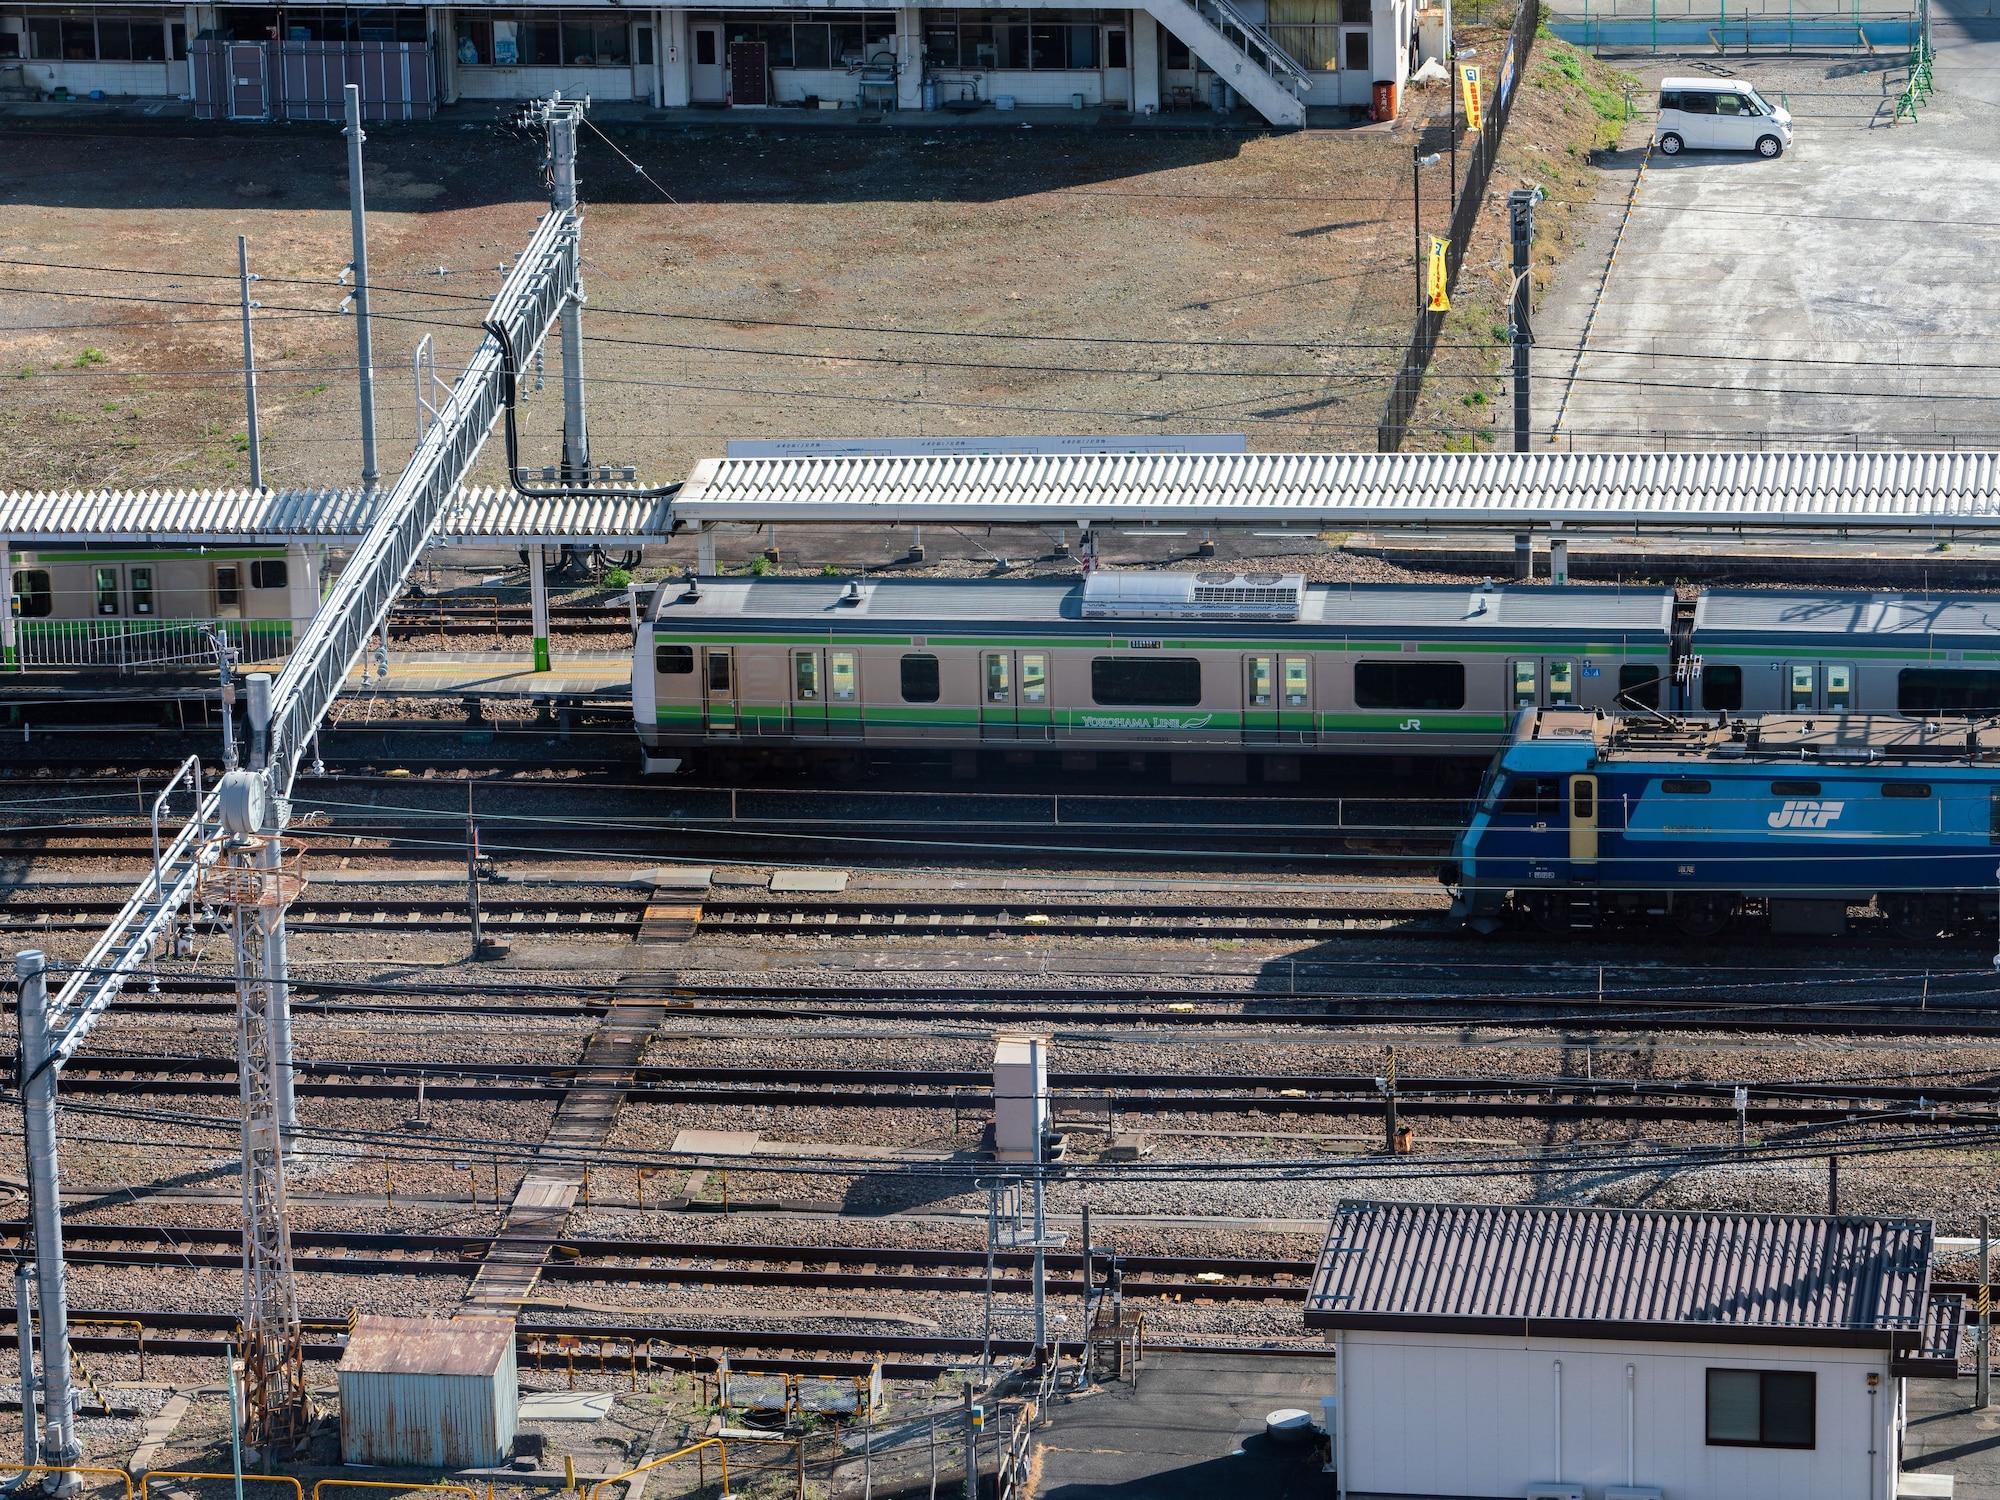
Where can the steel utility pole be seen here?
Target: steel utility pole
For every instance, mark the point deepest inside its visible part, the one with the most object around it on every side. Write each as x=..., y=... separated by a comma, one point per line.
x=243, y=280
x=563, y=125
x=56, y=1444
x=357, y=212
x=1521, y=229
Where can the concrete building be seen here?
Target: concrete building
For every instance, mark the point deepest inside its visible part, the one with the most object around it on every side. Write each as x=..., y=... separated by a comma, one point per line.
x=1271, y=57
x=1613, y=1354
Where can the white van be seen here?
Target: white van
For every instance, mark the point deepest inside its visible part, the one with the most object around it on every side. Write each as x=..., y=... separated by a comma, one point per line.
x=1719, y=114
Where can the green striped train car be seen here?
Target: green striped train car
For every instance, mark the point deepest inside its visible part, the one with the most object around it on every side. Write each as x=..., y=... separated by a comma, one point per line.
x=1142, y=661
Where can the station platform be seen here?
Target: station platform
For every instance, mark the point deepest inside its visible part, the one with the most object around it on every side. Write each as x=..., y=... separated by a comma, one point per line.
x=492, y=674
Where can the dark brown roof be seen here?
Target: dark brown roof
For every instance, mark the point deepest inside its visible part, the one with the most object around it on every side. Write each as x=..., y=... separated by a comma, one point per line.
x=382, y=1345
x=1645, y=1273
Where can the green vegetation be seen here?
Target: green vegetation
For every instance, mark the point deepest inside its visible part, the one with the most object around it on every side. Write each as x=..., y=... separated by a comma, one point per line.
x=828, y=570
x=760, y=566
x=91, y=356
x=1603, y=88
x=618, y=578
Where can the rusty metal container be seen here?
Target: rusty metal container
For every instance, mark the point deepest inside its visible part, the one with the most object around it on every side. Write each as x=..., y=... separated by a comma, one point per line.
x=435, y=1393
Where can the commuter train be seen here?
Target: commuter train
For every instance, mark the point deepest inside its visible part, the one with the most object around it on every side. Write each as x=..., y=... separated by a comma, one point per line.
x=1587, y=818
x=1265, y=665
x=135, y=607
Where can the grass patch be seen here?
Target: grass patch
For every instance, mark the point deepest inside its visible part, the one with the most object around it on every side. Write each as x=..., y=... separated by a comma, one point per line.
x=90, y=356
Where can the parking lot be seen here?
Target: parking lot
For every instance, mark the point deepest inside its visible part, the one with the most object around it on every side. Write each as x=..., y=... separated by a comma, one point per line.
x=1833, y=296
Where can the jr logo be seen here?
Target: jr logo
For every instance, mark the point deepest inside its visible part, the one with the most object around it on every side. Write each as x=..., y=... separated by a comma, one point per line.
x=1412, y=725
x=1805, y=814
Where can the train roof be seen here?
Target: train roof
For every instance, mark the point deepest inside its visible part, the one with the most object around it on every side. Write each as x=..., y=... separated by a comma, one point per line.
x=1766, y=741
x=1167, y=596
x=1886, y=617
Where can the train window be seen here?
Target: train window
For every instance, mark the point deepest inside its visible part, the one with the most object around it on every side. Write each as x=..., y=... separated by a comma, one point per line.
x=920, y=679
x=1906, y=788
x=1034, y=677
x=1582, y=798
x=841, y=670
x=270, y=573
x=805, y=675
x=718, y=671
x=1721, y=687
x=1795, y=789
x=1963, y=692
x=33, y=598
x=1638, y=683
x=1801, y=695
x=140, y=581
x=1157, y=681
x=1840, y=687
x=1527, y=689
x=1409, y=684
x=1531, y=797
x=1298, y=682
x=1684, y=786
x=107, y=590
x=673, y=661
x=1562, y=682
x=1257, y=681
x=999, y=677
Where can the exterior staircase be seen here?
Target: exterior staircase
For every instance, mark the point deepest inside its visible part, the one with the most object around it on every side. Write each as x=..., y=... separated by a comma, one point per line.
x=1238, y=52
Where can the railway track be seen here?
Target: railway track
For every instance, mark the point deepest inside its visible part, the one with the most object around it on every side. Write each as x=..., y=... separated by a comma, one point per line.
x=1096, y=1094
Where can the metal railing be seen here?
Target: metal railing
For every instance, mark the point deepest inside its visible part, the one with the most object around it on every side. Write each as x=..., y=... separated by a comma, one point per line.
x=126, y=645
x=1250, y=39
x=1719, y=27
x=1394, y=427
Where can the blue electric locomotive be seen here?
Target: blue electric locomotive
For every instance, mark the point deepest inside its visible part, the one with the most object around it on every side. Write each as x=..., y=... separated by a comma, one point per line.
x=1585, y=818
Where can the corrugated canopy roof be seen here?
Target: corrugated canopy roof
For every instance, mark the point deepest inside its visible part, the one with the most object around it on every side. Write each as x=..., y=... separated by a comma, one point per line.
x=383, y=1345
x=1595, y=1272
x=1674, y=489
x=44, y=517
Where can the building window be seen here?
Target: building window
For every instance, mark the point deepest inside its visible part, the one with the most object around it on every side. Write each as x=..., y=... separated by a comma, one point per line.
x=1760, y=1408
x=673, y=661
x=1015, y=40
x=920, y=679
x=1721, y=687
x=1354, y=51
x=1960, y=692
x=91, y=36
x=1409, y=684
x=544, y=39
x=1151, y=681
x=843, y=43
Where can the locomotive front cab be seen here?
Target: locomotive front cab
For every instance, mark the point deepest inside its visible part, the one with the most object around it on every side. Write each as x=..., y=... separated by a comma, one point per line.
x=1534, y=829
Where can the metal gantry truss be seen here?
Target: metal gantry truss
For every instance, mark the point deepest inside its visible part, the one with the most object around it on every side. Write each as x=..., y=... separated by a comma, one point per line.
x=230, y=853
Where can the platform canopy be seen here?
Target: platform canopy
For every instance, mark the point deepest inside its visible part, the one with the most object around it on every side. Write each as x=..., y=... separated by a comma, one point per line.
x=41, y=518
x=1282, y=491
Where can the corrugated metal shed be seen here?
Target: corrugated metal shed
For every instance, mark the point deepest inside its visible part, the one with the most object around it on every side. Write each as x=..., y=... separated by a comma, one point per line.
x=1612, y=1272
x=1677, y=489
x=429, y=1392
x=218, y=517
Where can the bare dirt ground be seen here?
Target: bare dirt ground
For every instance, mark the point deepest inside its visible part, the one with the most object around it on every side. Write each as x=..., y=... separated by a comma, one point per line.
x=798, y=283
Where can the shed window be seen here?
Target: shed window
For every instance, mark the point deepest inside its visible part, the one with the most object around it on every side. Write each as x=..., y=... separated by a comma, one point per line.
x=34, y=599
x=1153, y=681
x=269, y=574
x=1409, y=684
x=1961, y=692
x=1761, y=1408
x=920, y=679
x=673, y=661
x=1721, y=687
x=1640, y=684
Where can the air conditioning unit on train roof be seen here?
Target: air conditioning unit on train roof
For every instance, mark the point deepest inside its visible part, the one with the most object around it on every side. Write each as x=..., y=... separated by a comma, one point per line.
x=1193, y=596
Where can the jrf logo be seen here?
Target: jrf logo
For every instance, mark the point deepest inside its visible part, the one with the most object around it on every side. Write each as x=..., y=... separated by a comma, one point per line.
x=1805, y=814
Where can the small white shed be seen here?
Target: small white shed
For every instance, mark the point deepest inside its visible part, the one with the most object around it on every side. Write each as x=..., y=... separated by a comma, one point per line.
x=433, y=1393
x=1616, y=1354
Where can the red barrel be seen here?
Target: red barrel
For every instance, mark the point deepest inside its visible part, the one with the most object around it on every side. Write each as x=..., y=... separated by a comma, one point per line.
x=1384, y=107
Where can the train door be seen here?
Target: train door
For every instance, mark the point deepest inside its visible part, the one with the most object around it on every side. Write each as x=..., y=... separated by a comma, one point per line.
x=1583, y=827
x=1801, y=687
x=843, y=693
x=718, y=687
x=808, y=704
x=1562, y=683
x=226, y=589
x=1260, y=699
x=105, y=591
x=1035, y=716
x=139, y=589
x=1295, y=707
x=999, y=708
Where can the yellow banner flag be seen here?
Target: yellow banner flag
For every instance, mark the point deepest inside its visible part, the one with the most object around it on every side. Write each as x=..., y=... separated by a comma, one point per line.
x=1440, y=298
x=1469, y=80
